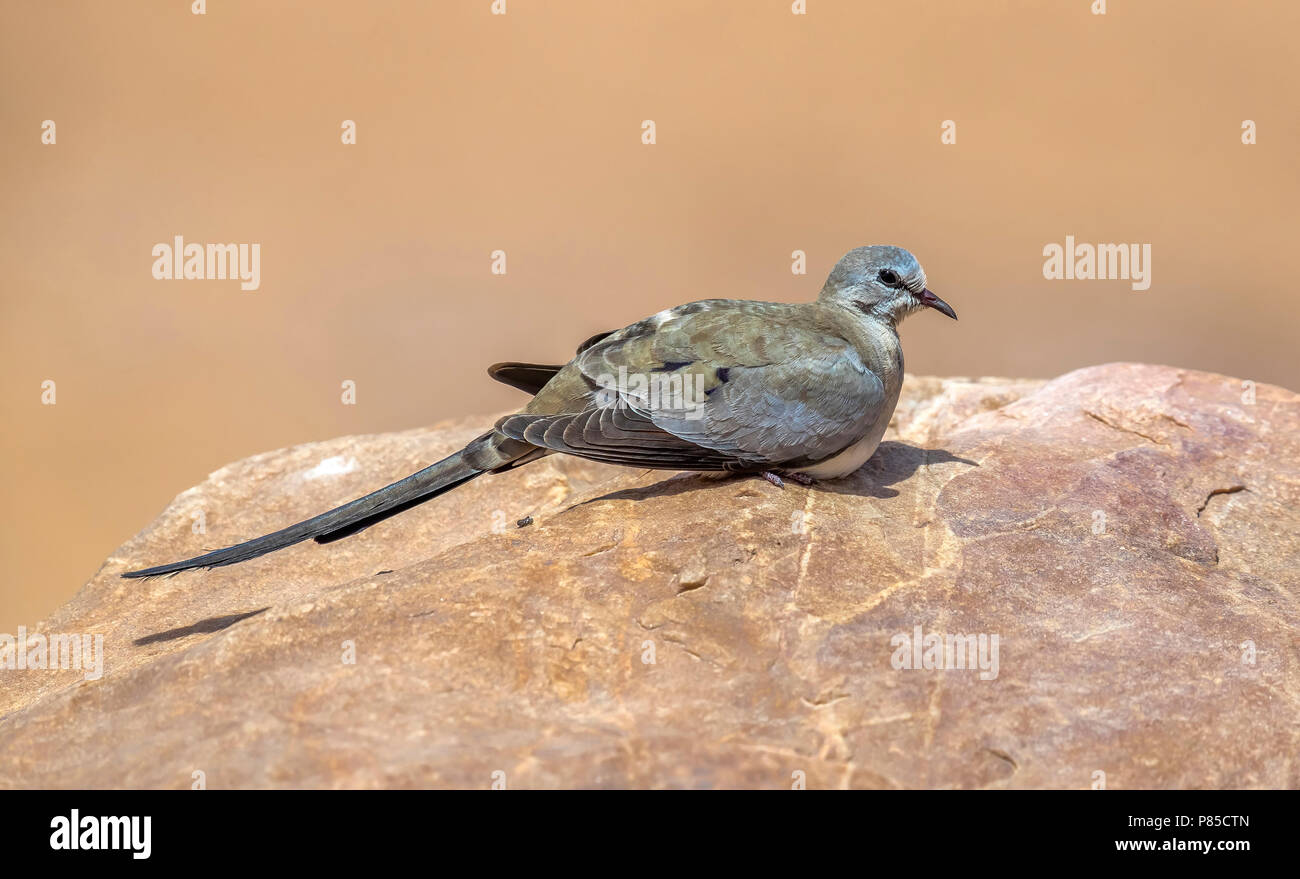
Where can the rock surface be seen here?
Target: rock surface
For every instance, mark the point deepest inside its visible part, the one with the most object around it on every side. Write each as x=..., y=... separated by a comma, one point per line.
x=1130, y=534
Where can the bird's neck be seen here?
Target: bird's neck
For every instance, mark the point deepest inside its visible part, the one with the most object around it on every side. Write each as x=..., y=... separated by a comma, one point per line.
x=875, y=338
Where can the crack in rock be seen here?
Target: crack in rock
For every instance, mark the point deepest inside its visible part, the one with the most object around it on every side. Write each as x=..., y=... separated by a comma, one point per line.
x=1232, y=489
x=1120, y=427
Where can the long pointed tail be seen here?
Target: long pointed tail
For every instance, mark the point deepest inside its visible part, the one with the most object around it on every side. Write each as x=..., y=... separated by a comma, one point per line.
x=492, y=451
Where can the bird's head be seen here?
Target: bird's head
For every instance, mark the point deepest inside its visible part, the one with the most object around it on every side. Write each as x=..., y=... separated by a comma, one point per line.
x=881, y=281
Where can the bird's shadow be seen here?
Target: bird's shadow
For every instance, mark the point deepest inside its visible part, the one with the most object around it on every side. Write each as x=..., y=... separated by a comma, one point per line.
x=202, y=627
x=893, y=462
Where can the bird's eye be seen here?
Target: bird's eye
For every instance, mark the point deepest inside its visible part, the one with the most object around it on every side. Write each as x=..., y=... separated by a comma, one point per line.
x=888, y=277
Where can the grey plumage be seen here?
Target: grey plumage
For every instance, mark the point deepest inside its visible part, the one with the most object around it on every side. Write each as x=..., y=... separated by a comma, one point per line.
x=751, y=386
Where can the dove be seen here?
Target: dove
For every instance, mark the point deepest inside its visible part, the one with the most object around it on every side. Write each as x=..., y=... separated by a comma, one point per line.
x=801, y=390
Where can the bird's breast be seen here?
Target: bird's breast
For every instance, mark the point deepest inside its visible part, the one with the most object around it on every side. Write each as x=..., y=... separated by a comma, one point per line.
x=858, y=453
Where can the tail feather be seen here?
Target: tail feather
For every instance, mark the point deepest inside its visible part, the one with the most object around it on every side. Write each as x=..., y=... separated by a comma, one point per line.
x=532, y=377
x=388, y=512
x=527, y=377
x=486, y=453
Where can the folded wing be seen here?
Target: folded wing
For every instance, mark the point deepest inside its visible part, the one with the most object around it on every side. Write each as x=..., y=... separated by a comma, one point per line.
x=714, y=385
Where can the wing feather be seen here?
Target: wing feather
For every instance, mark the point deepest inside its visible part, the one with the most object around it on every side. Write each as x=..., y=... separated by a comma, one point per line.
x=750, y=385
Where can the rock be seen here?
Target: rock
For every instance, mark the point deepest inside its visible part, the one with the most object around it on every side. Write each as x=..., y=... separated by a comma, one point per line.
x=1127, y=532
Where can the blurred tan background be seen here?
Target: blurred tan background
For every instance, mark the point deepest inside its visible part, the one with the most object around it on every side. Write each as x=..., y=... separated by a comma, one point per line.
x=522, y=132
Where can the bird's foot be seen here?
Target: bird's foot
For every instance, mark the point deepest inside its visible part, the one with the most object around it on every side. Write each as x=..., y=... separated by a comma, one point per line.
x=772, y=477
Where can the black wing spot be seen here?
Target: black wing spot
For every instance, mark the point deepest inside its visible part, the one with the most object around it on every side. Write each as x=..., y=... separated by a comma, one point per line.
x=723, y=373
x=672, y=365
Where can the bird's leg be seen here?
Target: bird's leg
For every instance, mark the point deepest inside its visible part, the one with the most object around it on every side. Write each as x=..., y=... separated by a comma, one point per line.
x=773, y=477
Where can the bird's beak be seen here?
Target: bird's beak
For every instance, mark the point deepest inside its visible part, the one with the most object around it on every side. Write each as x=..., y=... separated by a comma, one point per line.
x=928, y=298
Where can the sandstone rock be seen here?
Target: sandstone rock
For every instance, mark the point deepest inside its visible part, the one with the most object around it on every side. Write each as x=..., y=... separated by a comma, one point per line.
x=1128, y=532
